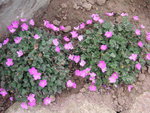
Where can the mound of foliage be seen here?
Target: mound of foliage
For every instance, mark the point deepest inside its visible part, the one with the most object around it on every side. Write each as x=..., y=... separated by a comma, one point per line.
x=114, y=52
x=32, y=65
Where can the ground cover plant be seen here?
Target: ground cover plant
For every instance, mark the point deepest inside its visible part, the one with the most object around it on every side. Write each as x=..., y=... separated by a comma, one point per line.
x=112, y=53
x=34, y=62
x=32, y=65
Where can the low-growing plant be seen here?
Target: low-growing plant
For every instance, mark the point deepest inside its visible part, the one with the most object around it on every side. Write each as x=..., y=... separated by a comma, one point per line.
x=115, y=52
x=32, y=64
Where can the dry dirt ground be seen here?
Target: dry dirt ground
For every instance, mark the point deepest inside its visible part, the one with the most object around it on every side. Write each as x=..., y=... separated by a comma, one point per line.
x=73, y=12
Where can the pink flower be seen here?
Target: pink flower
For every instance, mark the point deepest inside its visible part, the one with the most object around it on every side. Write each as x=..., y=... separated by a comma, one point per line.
x=89, y=22
x=136, y=18
x=47, y=101
x=46, y=23
x=130, y=87
x=55, y=42
x=37, y=76
x=23, y=19
x=11, y=29
x=92, y=78
x=113, y=77
x=148, y=36
x=80, y=37
x=102, y=65
x=93, y=74
x=66, y=39
x=124, y=14
x=50, y=26
x=62, y=28
x=138, y=66
x=85, y=72
x=142, y=26
x=137, y=32
x=15, y=24
x=31, y=97
x=31, y=22
x=77, y=72
x=57, y=49
x=101, y=21
x=74, y=85
x=36, y=36
x=148, y=56
x=43, y=83
x=82, y=63
x=20, y=53
x=71, y=84
x=3, y=92
x=18, y=40
x=68, y=46
x=108, y=34
x=92, y=88
x=5, y=41
x=140, y=44
x=76, y=58
x=133, y=57
x=82, y=25
x=32, y=71
x=103, y=47
x=24, y=27
x=109, y=14
x=24, y=105
x=11, y=98
x=95, y=17
x=9, y=62
x=54, y=28
x=74, y=34
x=32, y=104
x=71, y=57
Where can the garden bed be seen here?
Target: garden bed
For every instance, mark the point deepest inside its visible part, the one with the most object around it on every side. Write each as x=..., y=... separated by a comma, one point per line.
x=67, y=13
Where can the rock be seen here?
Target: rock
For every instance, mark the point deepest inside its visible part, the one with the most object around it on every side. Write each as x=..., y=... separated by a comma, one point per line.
x=149, y=69
x=67, y=29
x=141, y=77
x=83, y=90
x=87, y=6
x=121, y=101
x=64, y=5
x=133, y=9
x=76, y=103
x=100, y=2
x=91, y=1
x=75, y=6
x=11, y=10
x=144, y=69
x=64, y=17
x=53, y=98
x=141, y=104
x=56, y=22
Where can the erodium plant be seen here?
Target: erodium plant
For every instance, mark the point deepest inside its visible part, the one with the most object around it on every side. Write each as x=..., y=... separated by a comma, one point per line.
x=32, y=65
x=109, y=53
